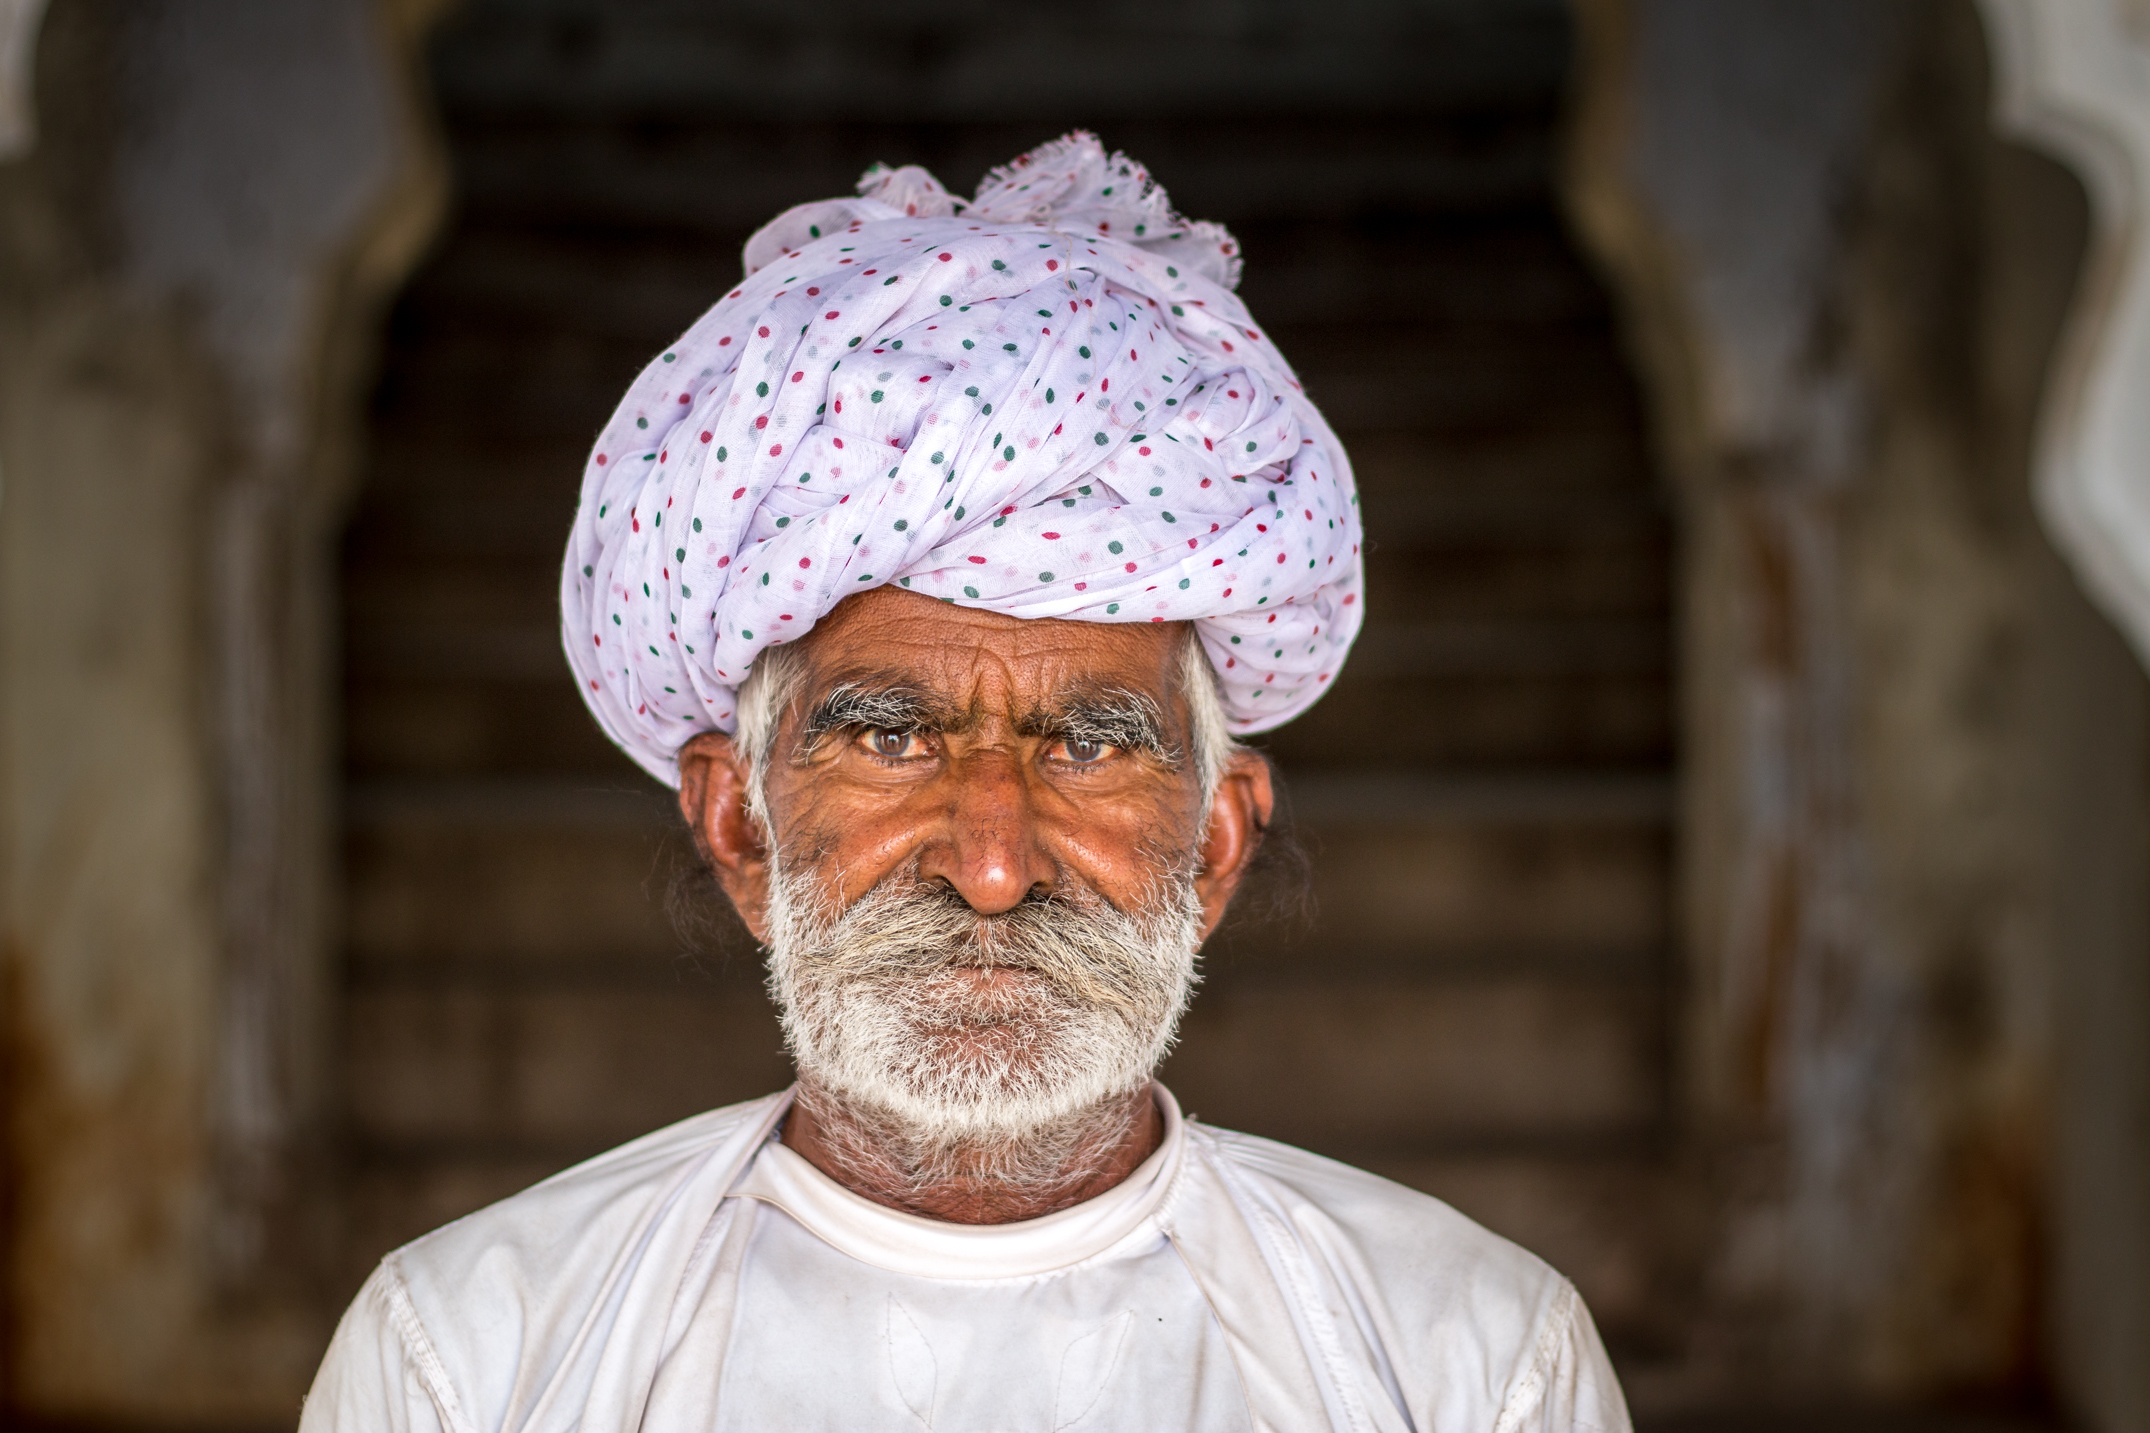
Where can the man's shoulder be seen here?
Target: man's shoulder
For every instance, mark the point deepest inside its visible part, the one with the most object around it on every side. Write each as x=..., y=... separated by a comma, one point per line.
x=549, y=1240
x=1420, y=1251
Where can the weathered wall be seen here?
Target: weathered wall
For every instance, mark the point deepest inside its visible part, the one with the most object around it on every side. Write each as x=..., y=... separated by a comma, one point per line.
x=188, y=255
x=1846, y=293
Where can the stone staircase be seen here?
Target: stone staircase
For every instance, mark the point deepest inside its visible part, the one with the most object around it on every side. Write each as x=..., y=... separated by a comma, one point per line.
x=1481, y=1005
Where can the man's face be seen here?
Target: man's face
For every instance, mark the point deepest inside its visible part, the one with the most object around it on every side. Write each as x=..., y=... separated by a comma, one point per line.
x=987, y=865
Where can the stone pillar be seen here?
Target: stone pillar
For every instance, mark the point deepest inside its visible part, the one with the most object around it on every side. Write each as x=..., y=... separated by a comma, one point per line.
x=192, y=254
x=1845, y=292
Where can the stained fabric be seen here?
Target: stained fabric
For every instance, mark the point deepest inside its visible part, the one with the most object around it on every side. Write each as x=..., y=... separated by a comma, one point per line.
x=1045, y=401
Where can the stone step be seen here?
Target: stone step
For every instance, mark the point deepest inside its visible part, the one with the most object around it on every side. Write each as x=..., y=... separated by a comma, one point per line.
x=1348, y=1067
x=1563, y=871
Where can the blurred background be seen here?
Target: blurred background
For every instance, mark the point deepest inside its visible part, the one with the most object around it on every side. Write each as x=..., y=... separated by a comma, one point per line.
x=1730, y=839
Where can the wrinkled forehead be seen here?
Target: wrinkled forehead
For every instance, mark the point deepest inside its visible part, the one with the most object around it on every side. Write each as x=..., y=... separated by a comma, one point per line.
x=984, y=663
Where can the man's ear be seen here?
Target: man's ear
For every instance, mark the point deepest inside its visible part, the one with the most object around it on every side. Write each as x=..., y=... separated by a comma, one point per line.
x=1245, y=799
x=713, y=798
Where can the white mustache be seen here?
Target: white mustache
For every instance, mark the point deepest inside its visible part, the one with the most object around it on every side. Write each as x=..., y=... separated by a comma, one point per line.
x=874, y=1016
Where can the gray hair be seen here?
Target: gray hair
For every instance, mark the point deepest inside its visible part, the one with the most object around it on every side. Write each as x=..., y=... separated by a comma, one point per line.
x=774, y=680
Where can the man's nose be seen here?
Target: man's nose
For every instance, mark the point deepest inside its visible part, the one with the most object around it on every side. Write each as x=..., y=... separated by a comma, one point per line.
x=989, y=850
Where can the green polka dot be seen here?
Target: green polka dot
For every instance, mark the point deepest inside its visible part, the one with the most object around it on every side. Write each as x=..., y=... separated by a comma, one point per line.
x=761, y=390
x=1102, y=440
x=877, y=395
x=697, y=524
x=946, y=301
x=1111, y=607
x=1045, y=577
x=1085, y=352
x=970, y=592
x=902, y=523
x=641, y=422
x=1115, y=548
x=1183, y=584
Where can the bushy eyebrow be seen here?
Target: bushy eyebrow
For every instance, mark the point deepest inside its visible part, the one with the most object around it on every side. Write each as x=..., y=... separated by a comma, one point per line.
x=1128, y=720
x=1115, y=717
x=865, y=704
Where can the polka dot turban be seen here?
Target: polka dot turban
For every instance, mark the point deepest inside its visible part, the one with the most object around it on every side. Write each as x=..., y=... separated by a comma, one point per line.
x=1045, y=401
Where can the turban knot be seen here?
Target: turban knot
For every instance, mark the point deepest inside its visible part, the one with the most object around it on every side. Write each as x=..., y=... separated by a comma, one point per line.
x=1045, y=401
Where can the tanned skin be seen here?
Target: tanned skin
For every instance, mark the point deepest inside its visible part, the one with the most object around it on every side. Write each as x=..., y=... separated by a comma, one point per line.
x=984, y=798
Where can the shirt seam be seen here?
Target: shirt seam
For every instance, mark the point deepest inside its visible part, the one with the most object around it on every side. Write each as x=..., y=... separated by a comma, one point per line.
x=419, y=1351
x=1529, y=1390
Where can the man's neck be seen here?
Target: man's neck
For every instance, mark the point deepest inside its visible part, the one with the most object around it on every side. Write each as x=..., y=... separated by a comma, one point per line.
x=864, y=1158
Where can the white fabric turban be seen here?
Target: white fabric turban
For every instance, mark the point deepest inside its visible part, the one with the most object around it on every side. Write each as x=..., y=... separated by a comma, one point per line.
x=1045, y=402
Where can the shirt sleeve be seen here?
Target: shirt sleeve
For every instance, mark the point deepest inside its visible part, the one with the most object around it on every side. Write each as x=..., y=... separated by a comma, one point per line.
x=381, y=1374
x=1569, y=1386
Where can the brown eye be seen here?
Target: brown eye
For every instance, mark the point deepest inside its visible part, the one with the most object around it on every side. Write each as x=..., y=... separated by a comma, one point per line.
x=1084, y=750
x=888, y=741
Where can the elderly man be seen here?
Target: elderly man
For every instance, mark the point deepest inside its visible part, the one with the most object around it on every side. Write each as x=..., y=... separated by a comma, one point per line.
x=936, y=566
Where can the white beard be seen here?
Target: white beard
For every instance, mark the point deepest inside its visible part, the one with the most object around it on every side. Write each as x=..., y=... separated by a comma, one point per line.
x=880, y=1015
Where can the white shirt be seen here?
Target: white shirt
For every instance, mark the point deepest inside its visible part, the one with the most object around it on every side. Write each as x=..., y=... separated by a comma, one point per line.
x=708, y=1278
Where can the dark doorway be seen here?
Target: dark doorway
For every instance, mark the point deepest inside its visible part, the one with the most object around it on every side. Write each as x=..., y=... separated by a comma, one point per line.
x=1481, y=1005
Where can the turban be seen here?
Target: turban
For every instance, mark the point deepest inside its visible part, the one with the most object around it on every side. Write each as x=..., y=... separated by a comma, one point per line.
x=1045, y=401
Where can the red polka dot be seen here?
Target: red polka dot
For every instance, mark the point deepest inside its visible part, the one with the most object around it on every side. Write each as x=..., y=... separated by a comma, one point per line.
x=1051, y=265
x=763, y=330
x=738, y=493
x=806, y=562
x=762, y=421
x=1051, y=536
x=799, y=375
x=778, y=451
x=979, y=560
x=724, y=562
x=706, y=435
x=946, y=257
x=832, y=313
x=600, y=460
